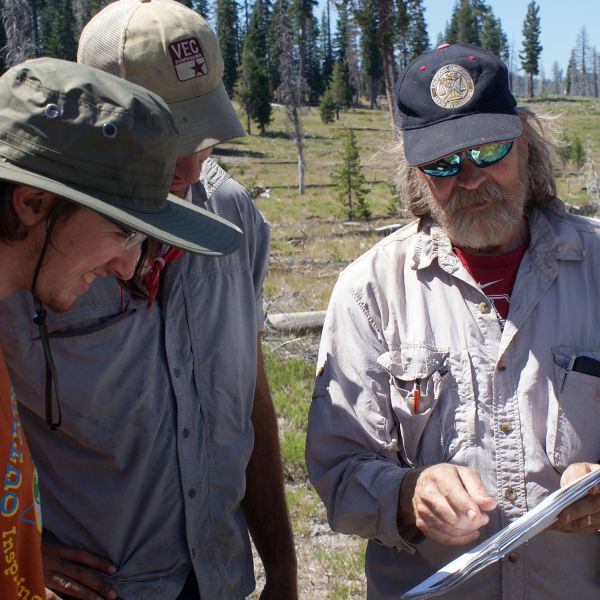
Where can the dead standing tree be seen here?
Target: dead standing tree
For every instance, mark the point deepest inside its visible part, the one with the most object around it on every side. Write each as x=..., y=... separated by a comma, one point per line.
x=20, y=18
x=292, y=89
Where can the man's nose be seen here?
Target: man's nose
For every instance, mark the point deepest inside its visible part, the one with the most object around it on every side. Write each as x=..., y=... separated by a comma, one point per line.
x=188, y=168
x=123, y=264
x=470, y=177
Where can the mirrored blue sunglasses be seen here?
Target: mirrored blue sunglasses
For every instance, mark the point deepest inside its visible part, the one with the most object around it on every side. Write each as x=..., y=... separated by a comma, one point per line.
x=482, y=156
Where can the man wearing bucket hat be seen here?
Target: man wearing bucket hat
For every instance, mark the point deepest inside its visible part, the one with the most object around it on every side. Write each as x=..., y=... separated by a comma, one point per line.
x=451, y=394
x=85, y=165
x=170, y=455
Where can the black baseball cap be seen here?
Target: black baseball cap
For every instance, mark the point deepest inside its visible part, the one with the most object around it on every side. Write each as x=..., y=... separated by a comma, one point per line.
x=452, y=98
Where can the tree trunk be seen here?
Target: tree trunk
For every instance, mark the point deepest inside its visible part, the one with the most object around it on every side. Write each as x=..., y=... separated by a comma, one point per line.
x=387, y=52
x=299, y=143
x=530, y=82
x=20, y=24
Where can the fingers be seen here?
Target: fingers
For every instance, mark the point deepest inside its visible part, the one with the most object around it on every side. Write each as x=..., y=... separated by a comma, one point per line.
x=68, y=571
x=75, y=589
x=582, y=516
x=54, y=551
x=448, y=502
x=577, y=470
x=474, y=488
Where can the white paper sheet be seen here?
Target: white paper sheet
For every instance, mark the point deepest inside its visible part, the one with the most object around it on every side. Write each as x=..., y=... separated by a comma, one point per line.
x=506, y=540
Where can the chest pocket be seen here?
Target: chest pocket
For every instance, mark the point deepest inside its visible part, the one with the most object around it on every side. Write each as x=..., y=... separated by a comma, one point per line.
x=573, y=412
x=419, y=378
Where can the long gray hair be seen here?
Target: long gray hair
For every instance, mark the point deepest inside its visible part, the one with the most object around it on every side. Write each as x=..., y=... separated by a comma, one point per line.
x=538, y=129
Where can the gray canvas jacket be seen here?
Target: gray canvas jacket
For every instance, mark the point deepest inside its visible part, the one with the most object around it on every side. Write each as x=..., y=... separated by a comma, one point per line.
x=501, y=402
x=148, y=468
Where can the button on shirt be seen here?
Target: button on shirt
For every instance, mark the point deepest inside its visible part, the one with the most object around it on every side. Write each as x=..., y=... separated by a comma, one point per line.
x=148, y=468
x=499, y=401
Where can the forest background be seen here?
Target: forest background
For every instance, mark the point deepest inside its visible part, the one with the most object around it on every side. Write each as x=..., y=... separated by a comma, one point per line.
x=313, y=84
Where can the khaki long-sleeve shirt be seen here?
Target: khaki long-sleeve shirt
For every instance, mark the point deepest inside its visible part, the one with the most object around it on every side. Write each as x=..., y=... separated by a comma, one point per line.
x=500, y=401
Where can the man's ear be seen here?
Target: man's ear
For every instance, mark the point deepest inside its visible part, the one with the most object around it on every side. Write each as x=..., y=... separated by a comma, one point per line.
x=31, y=205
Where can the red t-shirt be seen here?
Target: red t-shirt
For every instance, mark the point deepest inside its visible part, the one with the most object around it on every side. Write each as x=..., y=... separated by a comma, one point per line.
x=495, y=275
x=21, y=574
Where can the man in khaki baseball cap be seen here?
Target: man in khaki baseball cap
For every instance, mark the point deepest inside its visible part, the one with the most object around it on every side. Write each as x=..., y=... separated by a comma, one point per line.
x=85, y=165
x=156, y=494
x=185, y=68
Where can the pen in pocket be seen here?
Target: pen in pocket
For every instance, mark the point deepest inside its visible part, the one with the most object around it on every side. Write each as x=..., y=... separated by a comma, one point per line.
x=416, y=394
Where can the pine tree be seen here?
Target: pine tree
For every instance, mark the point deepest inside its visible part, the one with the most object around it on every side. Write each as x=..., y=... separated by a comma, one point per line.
x=227, y=32
x=386, y=40
x=493, y=37
x=343, y=90
x=372, y=64
x=339, y=87
x=312, y=64
x=557, y=78
x=274, y=41
x=327, y=58
x=463, y=24
x=200, y=6
x=305, y=38
x=56, y=30
x=532, y=48
x=83, y=11
x=571, y=75
x=255, y=91
x=350, y=181
x=327, y=106
x=417, y=38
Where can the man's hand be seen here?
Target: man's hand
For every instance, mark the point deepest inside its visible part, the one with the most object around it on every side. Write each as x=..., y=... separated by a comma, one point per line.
x=67, y=570
x=445, y=502
x=582, y=516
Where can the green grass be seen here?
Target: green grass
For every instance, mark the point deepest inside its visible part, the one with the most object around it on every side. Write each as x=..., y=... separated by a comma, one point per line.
x=345, y=570
x=291, y=383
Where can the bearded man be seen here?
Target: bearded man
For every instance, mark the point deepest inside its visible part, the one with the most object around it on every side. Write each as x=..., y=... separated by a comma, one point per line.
x=448, y=401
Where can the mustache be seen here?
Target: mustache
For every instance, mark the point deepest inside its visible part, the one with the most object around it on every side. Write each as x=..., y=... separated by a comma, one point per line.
x=486, y=193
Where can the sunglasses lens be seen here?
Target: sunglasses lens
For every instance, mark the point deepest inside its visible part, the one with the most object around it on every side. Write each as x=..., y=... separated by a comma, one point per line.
x=482, y=156
x=487, y=155
x=445, y=167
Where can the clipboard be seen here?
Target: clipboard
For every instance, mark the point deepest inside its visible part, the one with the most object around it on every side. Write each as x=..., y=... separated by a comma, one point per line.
x=506, y=540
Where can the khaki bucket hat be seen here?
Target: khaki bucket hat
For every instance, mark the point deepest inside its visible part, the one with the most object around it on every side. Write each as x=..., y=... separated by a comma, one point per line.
x=104, y=143
x=170, y=49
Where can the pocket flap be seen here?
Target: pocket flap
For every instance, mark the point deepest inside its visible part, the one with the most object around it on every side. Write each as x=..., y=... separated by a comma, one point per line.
x=408, y=363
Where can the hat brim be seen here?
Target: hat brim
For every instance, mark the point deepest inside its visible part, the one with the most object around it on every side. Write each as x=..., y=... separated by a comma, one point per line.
x=427, y=144
x=177, y=223
x=205, y=121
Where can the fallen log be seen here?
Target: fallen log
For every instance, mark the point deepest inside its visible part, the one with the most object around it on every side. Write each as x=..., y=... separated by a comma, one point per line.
x=301, y=321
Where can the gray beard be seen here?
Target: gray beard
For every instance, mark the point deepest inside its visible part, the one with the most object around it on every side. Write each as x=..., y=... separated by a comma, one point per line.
x=488, y=227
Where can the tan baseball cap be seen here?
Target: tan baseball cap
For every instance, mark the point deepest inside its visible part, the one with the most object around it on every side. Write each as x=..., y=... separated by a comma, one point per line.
x=171, y=50
x=104, y=143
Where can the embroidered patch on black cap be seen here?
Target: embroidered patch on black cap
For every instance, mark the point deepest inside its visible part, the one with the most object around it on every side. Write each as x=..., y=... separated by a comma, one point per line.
x=451, y=87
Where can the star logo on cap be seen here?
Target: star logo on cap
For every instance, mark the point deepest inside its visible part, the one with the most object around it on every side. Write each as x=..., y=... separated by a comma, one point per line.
x=188, y=59
x=199, y=67
x=452, y=86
